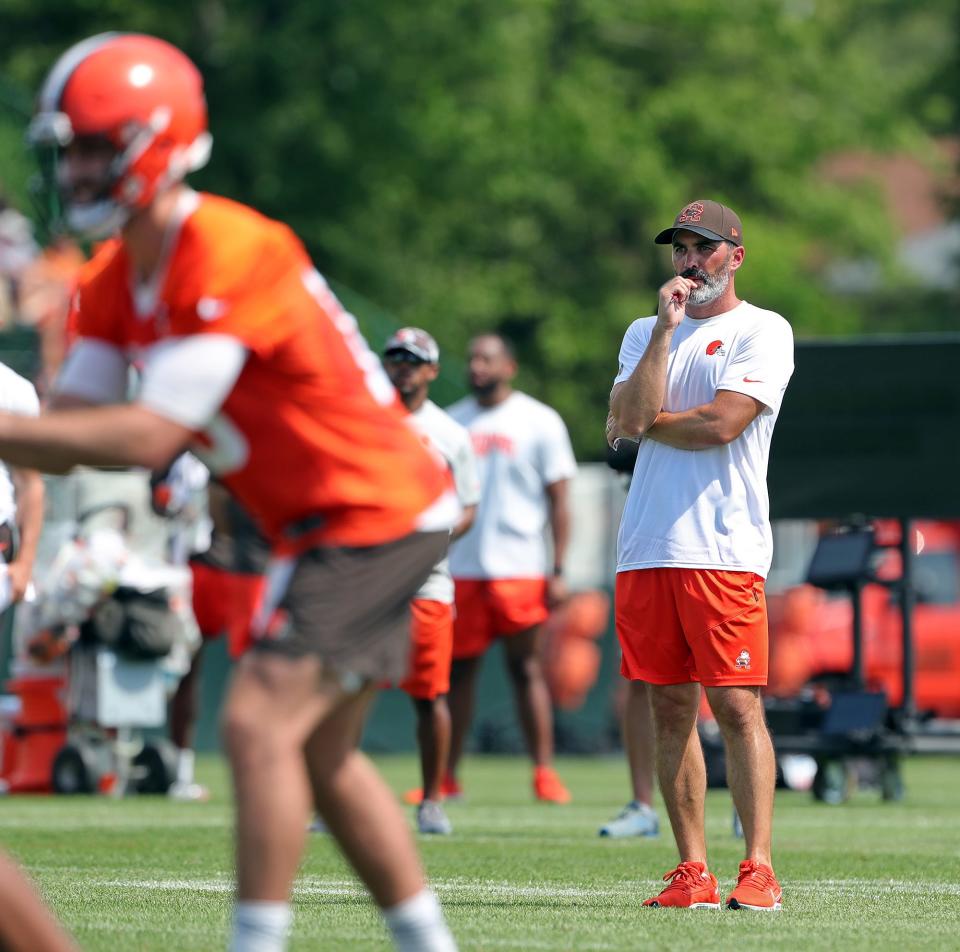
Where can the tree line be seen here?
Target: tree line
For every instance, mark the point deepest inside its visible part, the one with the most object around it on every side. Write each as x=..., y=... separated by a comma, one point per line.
x=471, y=165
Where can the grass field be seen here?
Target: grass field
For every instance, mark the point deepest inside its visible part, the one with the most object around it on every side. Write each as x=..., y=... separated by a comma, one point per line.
x=147, y=874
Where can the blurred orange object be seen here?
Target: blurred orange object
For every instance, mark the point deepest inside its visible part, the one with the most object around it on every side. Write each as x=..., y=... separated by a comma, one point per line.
x=37, y=732
x=47, y=645
x=811, y=631
x=571, y=656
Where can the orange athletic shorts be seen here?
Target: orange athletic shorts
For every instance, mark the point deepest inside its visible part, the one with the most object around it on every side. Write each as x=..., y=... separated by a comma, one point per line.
x=681, y=625
x=490, y=608
x=225, y=603
x=432, y=635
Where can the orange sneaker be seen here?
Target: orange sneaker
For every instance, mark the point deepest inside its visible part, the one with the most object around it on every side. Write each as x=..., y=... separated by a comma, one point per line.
x=757, y=889
x=548, y=787
x=692, y=886
x=450, y=789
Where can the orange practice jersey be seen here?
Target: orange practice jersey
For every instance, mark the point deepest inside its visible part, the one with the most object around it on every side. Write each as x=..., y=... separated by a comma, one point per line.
x=312, y=430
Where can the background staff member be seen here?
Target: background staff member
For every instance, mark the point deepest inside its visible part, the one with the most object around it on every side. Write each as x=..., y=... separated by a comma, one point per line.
x=412, y=360
x=504, y=585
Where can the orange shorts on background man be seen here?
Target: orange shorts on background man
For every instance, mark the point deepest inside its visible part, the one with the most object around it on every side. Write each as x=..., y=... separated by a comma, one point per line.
x=677, y=625
x=488, y=608
x=432, y=649
x=225, y=603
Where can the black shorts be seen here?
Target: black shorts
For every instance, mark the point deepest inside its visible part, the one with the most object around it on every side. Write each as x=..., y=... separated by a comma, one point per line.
x=351, y=606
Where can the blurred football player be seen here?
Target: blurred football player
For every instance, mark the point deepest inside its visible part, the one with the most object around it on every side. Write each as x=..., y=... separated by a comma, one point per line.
x=251, y=362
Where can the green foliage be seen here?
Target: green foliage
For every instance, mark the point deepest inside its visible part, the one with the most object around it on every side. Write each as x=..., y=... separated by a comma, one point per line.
x=472, y=165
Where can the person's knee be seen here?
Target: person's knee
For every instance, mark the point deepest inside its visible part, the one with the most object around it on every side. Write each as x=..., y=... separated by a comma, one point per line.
x=674, y=711
x=236, y=729
x=523, y=669
x=738, y=714
x=248, y=735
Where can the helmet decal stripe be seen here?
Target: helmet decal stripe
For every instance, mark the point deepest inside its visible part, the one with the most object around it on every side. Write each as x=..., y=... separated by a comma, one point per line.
x=64, y=68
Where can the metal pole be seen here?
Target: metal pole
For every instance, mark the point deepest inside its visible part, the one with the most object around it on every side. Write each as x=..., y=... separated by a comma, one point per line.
x=907, y=601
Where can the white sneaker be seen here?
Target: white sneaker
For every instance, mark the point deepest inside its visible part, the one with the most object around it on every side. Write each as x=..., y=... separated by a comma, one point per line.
x=188, y=792
x=431, y=818
x=635, y=819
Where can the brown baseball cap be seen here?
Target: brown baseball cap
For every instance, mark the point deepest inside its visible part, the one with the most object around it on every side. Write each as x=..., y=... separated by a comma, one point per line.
x=707, y=218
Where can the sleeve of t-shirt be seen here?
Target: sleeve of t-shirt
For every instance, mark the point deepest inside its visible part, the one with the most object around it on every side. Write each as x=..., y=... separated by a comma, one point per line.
x=19, y=397
x=466, y=476
x=556, y=454
x=631, y=350
x=95, y=371
x=763, y=363
x=187, y=379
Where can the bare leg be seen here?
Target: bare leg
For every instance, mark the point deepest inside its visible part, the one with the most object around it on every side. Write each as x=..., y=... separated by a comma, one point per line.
x=751, y=764
x=463, y=677
x=433, y=738
x=274, y=705
x=531, y=696
x=26, y=925
x=360, y=810
x=638, y=740
x=184, y=704
x=680, y=767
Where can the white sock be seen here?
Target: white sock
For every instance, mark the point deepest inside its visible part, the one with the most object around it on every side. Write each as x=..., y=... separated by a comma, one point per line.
x=185, y=760
x=417, y=925
x=260, y=926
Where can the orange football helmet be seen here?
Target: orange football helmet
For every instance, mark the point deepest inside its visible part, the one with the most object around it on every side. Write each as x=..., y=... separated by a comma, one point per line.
x=142, y=96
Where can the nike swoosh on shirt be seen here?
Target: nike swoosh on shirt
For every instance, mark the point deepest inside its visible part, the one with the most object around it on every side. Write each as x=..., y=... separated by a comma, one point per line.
x=751, y=380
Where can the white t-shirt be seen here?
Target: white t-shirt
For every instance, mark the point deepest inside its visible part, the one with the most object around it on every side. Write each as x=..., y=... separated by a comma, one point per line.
x=17, y=395
x=452, y=442
x=522, y=446
x=708, y=509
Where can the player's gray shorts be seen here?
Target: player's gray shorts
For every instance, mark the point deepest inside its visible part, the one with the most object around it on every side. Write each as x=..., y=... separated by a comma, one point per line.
x=351, y=606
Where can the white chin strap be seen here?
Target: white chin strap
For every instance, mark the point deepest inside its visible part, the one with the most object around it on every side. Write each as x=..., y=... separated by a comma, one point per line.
x=96, y=220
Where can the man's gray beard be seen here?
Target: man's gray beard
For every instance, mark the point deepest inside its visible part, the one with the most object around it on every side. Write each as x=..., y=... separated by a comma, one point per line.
x=711, y=289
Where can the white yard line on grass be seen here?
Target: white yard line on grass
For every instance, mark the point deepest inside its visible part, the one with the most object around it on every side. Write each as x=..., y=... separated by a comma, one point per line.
x=319, y=886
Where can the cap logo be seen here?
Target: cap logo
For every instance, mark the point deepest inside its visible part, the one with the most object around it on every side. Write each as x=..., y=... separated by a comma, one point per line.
x=734, y=232
x=693, y=212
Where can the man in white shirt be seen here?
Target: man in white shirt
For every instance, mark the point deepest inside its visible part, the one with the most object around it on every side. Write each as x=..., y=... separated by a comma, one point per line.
x=700, y=384
x=412, y=361
x=21, y=499
x=504, y=582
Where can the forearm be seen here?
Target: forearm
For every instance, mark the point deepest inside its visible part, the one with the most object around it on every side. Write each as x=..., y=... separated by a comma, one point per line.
x=637, y=401
x=126, y=435
x=30, y=494
x=700, y=428
x=560, y=531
